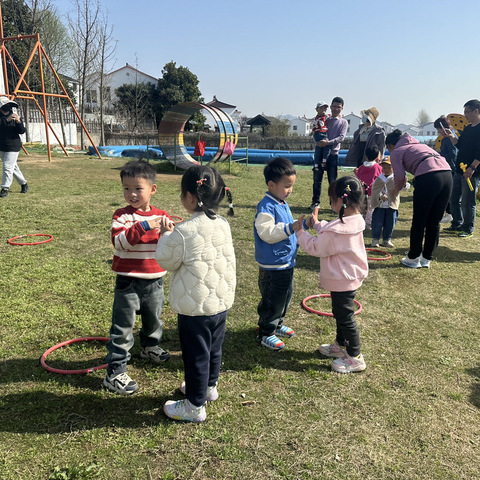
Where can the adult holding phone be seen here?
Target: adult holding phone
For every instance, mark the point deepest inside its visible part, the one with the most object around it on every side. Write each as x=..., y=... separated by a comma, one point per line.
x=468, y=156
x=11, y=127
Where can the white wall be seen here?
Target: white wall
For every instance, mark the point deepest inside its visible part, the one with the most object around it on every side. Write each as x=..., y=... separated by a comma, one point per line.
x=353, y=123
x=37, y=133
x=299, y=126
x=428, y=130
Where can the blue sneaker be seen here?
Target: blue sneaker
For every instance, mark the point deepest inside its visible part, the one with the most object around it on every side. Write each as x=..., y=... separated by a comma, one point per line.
x=465, y=234
x=272, y=342
x=284, y=331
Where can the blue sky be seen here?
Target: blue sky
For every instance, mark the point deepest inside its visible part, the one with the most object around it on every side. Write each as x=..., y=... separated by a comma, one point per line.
x=282, y=57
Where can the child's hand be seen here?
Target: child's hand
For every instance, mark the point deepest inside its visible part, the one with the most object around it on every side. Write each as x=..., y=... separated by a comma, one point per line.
x=312, y=218
x=166, y=225
x=383, y=197
x=298, y=224
x=154, y=224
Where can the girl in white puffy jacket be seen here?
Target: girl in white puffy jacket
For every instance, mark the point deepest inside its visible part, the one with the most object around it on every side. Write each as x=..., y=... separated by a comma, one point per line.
x=199, y=253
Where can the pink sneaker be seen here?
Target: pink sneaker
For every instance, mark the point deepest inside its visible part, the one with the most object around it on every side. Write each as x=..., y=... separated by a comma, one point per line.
x=348, y=364
x=332, y=350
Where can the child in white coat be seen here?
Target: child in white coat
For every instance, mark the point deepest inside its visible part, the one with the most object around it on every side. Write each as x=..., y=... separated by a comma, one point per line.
x=200, y=255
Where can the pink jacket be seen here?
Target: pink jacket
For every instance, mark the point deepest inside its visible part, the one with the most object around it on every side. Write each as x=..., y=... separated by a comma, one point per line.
x=340, y=246
x=367, y=173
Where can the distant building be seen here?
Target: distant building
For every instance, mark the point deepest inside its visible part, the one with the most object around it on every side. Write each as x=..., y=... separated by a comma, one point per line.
x=353, y=123
x=428, y=130
x=113, y=80
x=300, y=126
x=411, y=129
x=225, y=107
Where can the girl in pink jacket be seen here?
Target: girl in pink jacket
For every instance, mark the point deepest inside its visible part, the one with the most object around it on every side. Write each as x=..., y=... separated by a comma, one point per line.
x=343, y=267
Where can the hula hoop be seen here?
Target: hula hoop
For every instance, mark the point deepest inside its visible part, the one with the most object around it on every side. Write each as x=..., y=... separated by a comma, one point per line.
x=326, y=314
x=387, y=257
x=69, y=342
x=49, y=239
x=179, y=219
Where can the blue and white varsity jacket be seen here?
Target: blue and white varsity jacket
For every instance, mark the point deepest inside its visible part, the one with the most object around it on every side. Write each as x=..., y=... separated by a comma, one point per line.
x=275, y=241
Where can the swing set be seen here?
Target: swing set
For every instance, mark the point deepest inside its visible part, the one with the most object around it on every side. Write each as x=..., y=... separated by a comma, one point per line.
x=23, y=91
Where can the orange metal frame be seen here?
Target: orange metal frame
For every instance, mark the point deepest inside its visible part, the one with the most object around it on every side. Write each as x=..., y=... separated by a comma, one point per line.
x=29, y=94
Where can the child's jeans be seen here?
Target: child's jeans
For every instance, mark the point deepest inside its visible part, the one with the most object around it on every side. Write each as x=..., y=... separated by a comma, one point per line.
x=134, y=296
x=321, y=153
x=201, y=339
x=386, y=219
x=343, y=310
x=276, y=288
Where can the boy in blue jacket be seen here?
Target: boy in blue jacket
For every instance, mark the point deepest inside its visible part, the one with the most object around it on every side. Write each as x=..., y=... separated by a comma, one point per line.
x=275, y=252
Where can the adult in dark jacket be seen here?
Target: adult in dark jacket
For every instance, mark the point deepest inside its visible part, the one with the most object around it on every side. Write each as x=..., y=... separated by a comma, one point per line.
x=368, y=134
x=11, y=127
x=464, y=212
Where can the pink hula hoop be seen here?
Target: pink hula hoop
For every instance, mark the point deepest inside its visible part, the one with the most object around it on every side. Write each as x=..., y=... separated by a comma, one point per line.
x=179, y=219
x=387, y=257
x=49, y=239
x=69, y=342
x=325, y=314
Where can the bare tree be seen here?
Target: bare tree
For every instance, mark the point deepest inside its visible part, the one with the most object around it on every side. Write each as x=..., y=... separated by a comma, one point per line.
x=86, y=35
x=107, y=50
x=58, y=46
x=422, y=118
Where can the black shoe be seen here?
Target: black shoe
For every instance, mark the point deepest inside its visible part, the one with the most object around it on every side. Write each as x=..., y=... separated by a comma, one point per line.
x=24, y=188
x=4, y=192
x=313, y=206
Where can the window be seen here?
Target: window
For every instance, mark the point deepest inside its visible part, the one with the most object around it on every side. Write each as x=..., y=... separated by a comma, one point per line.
x=91, y=96
x=295, y=127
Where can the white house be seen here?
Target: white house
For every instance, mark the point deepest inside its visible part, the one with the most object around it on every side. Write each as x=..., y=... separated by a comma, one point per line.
x=353, y=123
x=428, y=130
x=300, y=126
x=411, y=129
x=124, y=75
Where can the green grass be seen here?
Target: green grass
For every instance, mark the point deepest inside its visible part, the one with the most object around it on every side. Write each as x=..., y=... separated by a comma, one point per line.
x=413, y=414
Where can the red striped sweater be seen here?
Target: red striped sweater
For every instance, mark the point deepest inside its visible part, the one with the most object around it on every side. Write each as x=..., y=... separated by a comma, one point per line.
x=134, y=246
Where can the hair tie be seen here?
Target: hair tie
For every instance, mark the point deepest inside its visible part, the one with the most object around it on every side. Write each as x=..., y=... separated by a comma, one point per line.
x=200, y=204
x=201, y=181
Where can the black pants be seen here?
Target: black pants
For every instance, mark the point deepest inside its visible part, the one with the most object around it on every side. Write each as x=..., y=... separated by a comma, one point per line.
x=201, y=339
x=343, y=310
x=276, y=288
x=430, y=198
x=332, y=170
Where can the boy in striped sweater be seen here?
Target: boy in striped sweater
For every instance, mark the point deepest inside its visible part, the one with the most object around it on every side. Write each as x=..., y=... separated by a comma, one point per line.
x=139, y=283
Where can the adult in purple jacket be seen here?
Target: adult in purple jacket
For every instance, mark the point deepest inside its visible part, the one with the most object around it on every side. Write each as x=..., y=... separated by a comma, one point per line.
x=433, y=186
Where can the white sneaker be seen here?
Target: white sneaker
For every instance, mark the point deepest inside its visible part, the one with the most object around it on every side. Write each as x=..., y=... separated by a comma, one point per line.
x=348, y=364
x=212, y=392
x=447, y=218
x=120, y=383
x=156, y=354
x=185, y=411
x=411, y=262
x=424, y=262
x=388, y=243
x=332, y=350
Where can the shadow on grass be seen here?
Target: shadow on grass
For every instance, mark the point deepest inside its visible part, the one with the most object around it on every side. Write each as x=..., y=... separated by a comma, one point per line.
x=475, y=395
x=46, y=412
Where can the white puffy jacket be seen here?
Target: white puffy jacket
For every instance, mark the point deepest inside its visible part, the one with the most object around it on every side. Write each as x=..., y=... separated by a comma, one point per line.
x=200, y=255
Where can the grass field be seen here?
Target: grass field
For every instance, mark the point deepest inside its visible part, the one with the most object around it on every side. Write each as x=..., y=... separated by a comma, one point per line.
x=413, y=414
